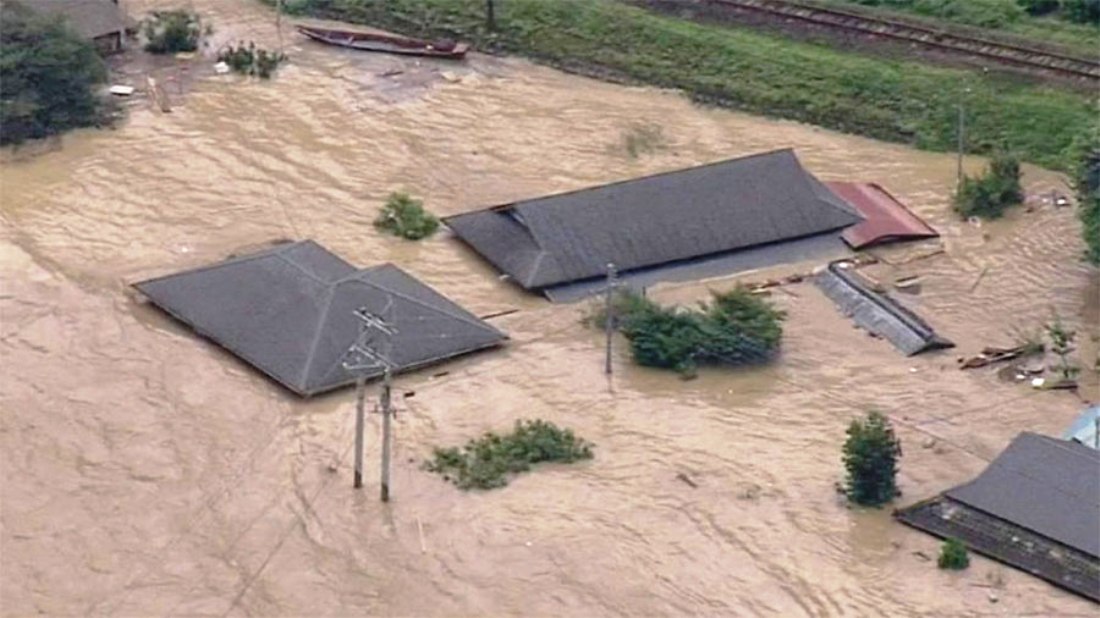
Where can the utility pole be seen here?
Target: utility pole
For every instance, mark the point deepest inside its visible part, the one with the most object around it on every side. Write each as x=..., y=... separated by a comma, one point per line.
x=387, y=412
x=490, y=15
x=279, y=22
x=362, y=356
x=360, y=395
x=961, y=135
x=609, y=319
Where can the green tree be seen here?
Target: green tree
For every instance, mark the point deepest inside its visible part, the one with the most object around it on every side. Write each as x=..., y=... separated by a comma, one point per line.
x=170, y=32
x=1086, y=162
x=871, y=455
x=992, y=193
x=734, y=328
x=1082, y=11
x=47, y=76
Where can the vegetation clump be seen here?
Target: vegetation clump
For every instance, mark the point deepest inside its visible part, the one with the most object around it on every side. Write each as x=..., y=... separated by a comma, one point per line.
x=1086, y=164
x=734, y=328
x=642, y=139
x=170, y=32
x=1061, y=343
x=404, y=216
x=991, y=194
x=871, y=455
x=953, y=555
x=491, y=460
x=251, y=60
x=48, y=76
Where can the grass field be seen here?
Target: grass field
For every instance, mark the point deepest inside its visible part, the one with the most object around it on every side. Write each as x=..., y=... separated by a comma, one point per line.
x=885, y=99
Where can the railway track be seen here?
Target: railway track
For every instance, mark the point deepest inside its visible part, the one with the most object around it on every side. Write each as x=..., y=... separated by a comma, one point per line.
x=1006, y=53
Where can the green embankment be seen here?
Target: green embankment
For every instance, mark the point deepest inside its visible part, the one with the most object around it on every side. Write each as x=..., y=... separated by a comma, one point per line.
x=1050, y=21
x=890, y=100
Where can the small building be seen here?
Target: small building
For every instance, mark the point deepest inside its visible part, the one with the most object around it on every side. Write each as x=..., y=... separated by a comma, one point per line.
x=1036, y=507
x=100, y=21
x=709, y=220
x=290, y=312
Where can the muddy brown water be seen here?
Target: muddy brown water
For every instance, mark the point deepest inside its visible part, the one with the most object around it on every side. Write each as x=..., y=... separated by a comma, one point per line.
x=146, y=472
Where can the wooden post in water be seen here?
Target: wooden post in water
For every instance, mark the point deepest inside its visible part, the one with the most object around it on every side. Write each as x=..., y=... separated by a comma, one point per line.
x=360, y=395
x=609, y=318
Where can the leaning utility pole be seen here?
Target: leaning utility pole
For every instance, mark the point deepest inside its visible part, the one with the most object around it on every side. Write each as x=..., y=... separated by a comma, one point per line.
x=609, y=318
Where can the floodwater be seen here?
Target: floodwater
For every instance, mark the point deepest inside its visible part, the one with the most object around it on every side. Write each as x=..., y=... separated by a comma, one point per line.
x=146, y=472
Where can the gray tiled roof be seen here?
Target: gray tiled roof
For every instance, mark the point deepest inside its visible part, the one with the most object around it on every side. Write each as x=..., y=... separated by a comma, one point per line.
x=1048, y=486
x=288, y=311
x=680, y=215
x=878, y=313
x=90, y=18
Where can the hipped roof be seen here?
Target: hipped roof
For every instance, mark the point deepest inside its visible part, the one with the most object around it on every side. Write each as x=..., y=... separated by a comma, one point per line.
x=289, y=311
x=1048, y=486
x=664, y=218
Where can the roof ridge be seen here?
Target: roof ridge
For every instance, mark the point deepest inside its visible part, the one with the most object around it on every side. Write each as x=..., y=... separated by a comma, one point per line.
x=321, y=321
x=515, y=203
x=354, y=278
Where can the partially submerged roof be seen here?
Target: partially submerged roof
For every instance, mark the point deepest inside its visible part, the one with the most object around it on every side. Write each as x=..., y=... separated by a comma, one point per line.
x=885, y=218
x=1036, y=507
x=289, y=312
x=1086, y=428
x=878, y=313
x=655, y=220
x=90, y=18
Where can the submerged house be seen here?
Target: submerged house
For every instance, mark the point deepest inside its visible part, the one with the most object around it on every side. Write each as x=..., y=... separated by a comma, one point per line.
x=886, y=219
x=100, y=21
x=290, y=312
x=1036, y=507
x=703, y=221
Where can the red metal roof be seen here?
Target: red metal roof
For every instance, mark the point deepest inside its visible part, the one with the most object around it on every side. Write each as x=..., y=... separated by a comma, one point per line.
x=887, y=219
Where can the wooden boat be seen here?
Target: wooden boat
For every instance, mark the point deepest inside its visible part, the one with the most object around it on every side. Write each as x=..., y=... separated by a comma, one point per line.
x=386, y=43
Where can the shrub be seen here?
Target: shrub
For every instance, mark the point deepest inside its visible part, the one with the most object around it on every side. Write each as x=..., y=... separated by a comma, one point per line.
x=47, y=76
x=1061, y=343
x=1086, y=163
x=643, y=139
x=992, y=193
x=953, y=555
x=405, y=217
x=871, y=454
x=735, y=328
x=170, y=32
x=489, y=461
x=251, y=60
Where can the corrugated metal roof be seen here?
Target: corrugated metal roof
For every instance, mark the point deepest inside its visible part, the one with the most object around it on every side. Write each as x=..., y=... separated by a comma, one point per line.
x=660, y=219
x=886, y=219
x=90, y=18
x=288, y=311
x=878, y=313
x=1048, y=486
